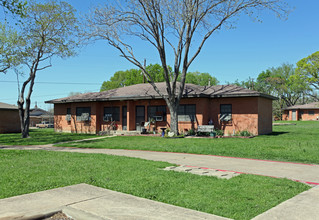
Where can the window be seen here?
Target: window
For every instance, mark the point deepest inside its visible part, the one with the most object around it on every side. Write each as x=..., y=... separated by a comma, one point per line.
x=158, y=113
x=68, y=114
x=111, y=114
x=186, y=112
x=225, y=112
x=311, y=112
x=83, y=113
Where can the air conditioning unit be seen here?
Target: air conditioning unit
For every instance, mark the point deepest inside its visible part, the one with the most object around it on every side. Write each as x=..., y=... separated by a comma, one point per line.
x=226, y=117
x=68, y=117
x=158, y=118
x=107, y=117
x=85, y=117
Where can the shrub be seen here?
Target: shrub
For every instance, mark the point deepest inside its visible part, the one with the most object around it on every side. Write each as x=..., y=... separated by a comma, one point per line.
x=191, y=132
x=219, y=132
x=245, y=133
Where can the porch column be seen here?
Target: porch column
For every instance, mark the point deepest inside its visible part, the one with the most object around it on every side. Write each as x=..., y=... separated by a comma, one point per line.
x=130, y=116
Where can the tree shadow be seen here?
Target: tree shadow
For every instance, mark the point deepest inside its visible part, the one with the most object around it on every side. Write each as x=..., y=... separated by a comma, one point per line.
x=276, y=133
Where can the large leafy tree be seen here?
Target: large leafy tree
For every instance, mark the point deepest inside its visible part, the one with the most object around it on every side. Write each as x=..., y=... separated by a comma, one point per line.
x=14, y=6
x=170, y=27
x=280, y=82
x=10, y=40
x=123, y=78
x=135, y=76
x=201, y=79
x=308, y=70
x=47, y=30
x=8, y=37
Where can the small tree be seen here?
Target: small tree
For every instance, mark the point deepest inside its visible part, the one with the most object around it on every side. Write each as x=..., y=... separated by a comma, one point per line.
x=170, y=27
x=48, y=30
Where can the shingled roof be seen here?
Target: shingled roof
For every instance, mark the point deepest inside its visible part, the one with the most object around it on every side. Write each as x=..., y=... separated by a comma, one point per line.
x=146, y=91
x=313, y=105
x=8, y=106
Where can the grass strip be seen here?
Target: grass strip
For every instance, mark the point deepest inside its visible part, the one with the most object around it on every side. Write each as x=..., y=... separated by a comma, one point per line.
x=41, y=137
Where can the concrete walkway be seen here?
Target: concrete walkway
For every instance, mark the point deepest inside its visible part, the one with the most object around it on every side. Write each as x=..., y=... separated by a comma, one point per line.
x=303, y=206
x=307, y=173
x=86, y=202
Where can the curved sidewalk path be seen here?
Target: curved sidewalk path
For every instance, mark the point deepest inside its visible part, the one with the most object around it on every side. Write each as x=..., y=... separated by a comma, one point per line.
x=307, y=173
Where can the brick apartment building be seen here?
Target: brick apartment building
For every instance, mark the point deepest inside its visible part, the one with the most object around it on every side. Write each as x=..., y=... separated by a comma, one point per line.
x=305, y=112
x=231, y=108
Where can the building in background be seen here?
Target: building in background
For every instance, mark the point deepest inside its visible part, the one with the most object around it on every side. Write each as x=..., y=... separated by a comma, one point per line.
x=9, y=118
x=38, y=116
x=306, y=112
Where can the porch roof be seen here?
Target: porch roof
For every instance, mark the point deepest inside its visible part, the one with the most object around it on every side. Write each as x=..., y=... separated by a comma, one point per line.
x=146, y=91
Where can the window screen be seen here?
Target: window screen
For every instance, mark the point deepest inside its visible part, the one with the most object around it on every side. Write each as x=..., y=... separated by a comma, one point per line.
x=186, y=112
x=83, y=113
x=311, y=112
x=156, y=112
x=111, y=114
x=225, y=112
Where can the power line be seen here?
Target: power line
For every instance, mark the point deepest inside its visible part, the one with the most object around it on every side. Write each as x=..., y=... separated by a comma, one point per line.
x=41, y=96
x=57, y=83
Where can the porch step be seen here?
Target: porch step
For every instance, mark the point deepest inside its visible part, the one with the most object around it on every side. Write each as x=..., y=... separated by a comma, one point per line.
x=125, y=133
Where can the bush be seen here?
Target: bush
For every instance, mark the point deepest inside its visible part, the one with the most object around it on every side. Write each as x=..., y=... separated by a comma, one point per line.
x=191, y=132
x=219, y=132
x=245, y=133
x=202, y=133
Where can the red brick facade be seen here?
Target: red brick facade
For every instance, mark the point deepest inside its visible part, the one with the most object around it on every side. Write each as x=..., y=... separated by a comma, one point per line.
x=9, y=121
x=301, y=114
x=253, y=114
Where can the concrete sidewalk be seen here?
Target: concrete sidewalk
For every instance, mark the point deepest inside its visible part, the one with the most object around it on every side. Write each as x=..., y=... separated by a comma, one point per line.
x=295, y=171
x=303, y=206
x=86, y=202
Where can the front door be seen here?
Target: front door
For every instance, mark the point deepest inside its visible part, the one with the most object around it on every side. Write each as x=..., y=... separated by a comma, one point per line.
x=140, y=117
x=124, y=118
x=294, y=118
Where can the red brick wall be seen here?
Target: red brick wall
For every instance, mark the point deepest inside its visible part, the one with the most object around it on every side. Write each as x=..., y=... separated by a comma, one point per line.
x=301, y=115
x=307, y=117
x=244, y=115
x=74, y=126
x=9, y=121
x=264, y=116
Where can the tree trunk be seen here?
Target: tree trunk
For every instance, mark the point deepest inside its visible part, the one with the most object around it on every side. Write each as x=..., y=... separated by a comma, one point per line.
x=174, y=119
x=24, y=118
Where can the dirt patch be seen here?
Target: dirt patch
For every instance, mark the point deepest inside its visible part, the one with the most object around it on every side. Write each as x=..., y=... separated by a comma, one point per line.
x=59, y=216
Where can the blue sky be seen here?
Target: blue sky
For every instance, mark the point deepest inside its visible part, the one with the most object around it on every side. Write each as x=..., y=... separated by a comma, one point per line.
x=228, y=55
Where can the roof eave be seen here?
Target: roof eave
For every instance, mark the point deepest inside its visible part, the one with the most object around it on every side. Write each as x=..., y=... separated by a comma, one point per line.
x=244, y=95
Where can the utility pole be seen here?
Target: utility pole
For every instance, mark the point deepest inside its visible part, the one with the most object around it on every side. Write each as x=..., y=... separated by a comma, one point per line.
x=144, y=71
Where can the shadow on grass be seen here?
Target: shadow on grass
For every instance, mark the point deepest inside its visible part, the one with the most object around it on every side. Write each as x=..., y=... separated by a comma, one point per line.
x=277, y=133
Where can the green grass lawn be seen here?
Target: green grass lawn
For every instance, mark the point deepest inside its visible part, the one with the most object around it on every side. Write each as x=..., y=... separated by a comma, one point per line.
x=241, y=197
x=41, y=136
x=296, y=143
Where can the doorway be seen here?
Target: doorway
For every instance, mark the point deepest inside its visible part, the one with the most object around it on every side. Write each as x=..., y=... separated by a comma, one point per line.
x=140, y=117
x=294, y=118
